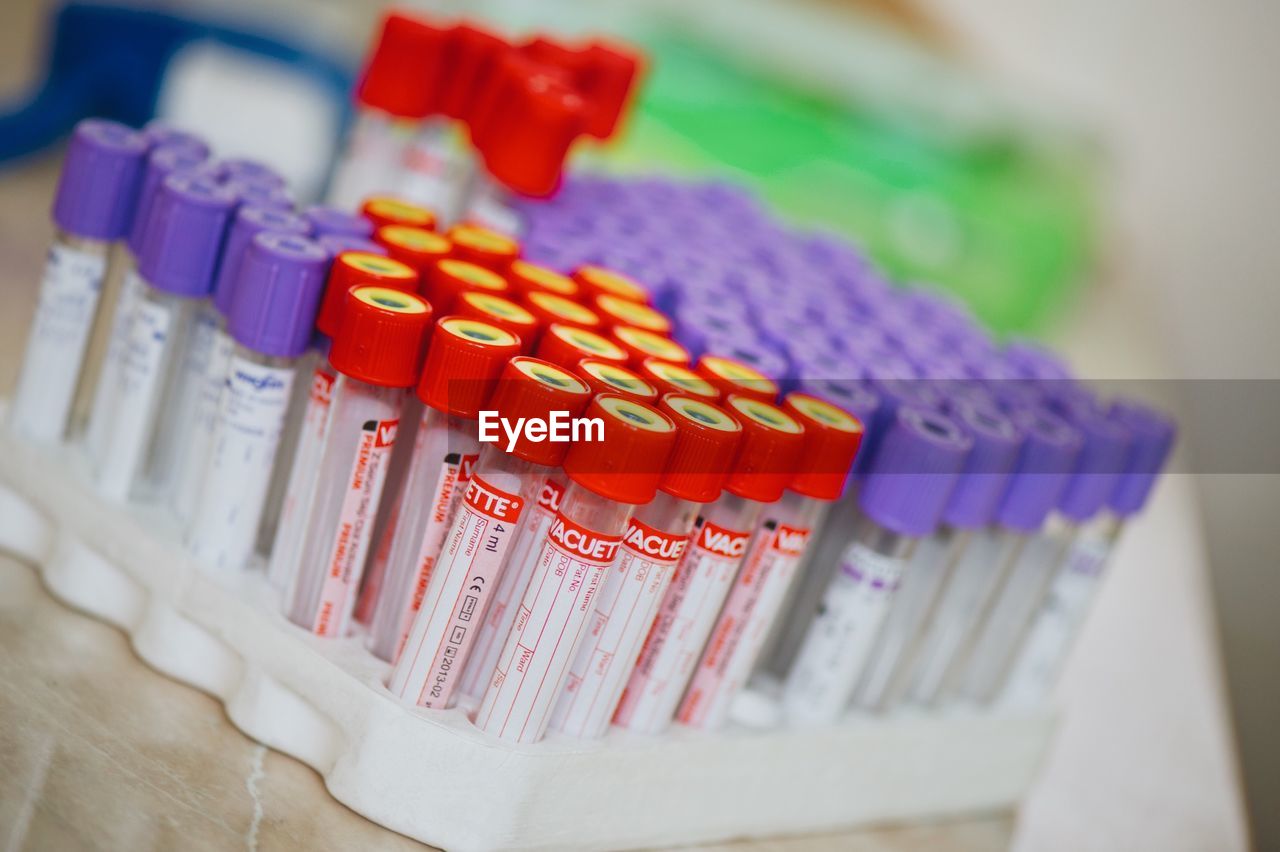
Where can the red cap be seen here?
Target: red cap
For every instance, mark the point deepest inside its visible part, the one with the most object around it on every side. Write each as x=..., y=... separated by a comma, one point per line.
x=677, y=378
x=464, y=360
x=617, y=311
x=383, y=210
x=403, y=74
x=734, y=377
x=416, y=247
x=532, y=388
x=706, y=445
x=598, y=281
x=831, y=440
x=354, y=269
x=483, y=247
x=549, y=308
x=509, y=71
x=566, y=345
x=772, y=441
x=608, y=377
x=381, y=336
x=503, y=313
x=627, y=465
x=642, y=345
x=612, y=71
x=470, y=54
x=545, y=50
x=526, y=135
x=526, y=277
x=451, y=277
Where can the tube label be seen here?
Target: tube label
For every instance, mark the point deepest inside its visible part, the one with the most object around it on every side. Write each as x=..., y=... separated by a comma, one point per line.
x=286, y=550
x=442, y=634
x=547, y=630
x=104, y=395
x=685, y=617
x=351, y=540
x=624, y=610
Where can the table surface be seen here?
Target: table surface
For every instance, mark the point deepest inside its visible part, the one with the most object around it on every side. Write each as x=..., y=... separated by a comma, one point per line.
x=99, y=751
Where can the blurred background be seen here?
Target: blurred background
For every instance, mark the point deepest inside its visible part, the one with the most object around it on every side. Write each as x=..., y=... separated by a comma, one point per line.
x=1095, y=174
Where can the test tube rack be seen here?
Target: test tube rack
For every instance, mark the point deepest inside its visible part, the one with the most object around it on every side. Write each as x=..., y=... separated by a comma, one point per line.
x=430, y=774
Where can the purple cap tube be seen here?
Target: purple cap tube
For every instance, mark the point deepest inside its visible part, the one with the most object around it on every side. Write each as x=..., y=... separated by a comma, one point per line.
x=913, y=475
x=996, y=444
x=161, y=163
x=281, y=280
x=1153, y=435
x=330, y=220
x=98, y=188
x=1102, y=458
x=1049, y=451
x=248, y=222
x=184, y=236
x=258, y=172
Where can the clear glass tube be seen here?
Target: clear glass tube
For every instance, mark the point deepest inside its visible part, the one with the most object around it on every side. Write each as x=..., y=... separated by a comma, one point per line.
x=1060, y=617
x=445, y=452
x=838, y=644
x=435, y=169
x=352, y=470
x=580, y=546
x=687, y=613
x=491, y=205
x=66, y=308
x=283, y=470
x=154, y=352
x=193, y=453
x=776, y=550
x=120, y=266
x=371, y=161
x=623, y=611
x=102, y=411
x=501, y=613
x=476, y=551
x=241, y=454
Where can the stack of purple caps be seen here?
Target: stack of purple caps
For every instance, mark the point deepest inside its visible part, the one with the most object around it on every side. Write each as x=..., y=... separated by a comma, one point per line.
x=248, y=222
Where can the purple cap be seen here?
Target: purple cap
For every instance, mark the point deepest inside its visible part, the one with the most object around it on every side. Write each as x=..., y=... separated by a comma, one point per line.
x=1098, y=469
x=260, y=193
x=248, y=222
x=996, y=442
x=184, y=236
x=161, y=163
x=331, y=220
x=162, y=135
x=274, y=308
x=1033, y=361
x=240, y=168
x=1049, y=451
x=912, y=476
x=336, y=244
x=1153, y=435
x=98, y=188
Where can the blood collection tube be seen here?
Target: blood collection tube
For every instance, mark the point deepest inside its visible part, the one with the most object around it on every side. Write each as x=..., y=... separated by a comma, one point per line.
x=550, y=308
x=526, y=278
x=484, y=247
x=376, y=353
x=477, y=547
x=616, y=311
x=333, y=221
x=384, y=210
x=349, y=270
x=96, y=397
x=1104, y=446
x=177, y=263
x=652, y=546
x=209, y=356
x=1049, y=449
x=676, y=378
x=566, y=345
x=770, y=448
x=831, y=440
x=503, y=313
x=607, y=377
x=642, y=345
x=397, y=88
x=96, y=197
x=450, y=278
x=973, y=504
x=598, y=281
x=609, y=477
x=733, y=377
x=1060, y=617
x=415, y=247
x=269, y=319
x=463, y=364
x=900, y=501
